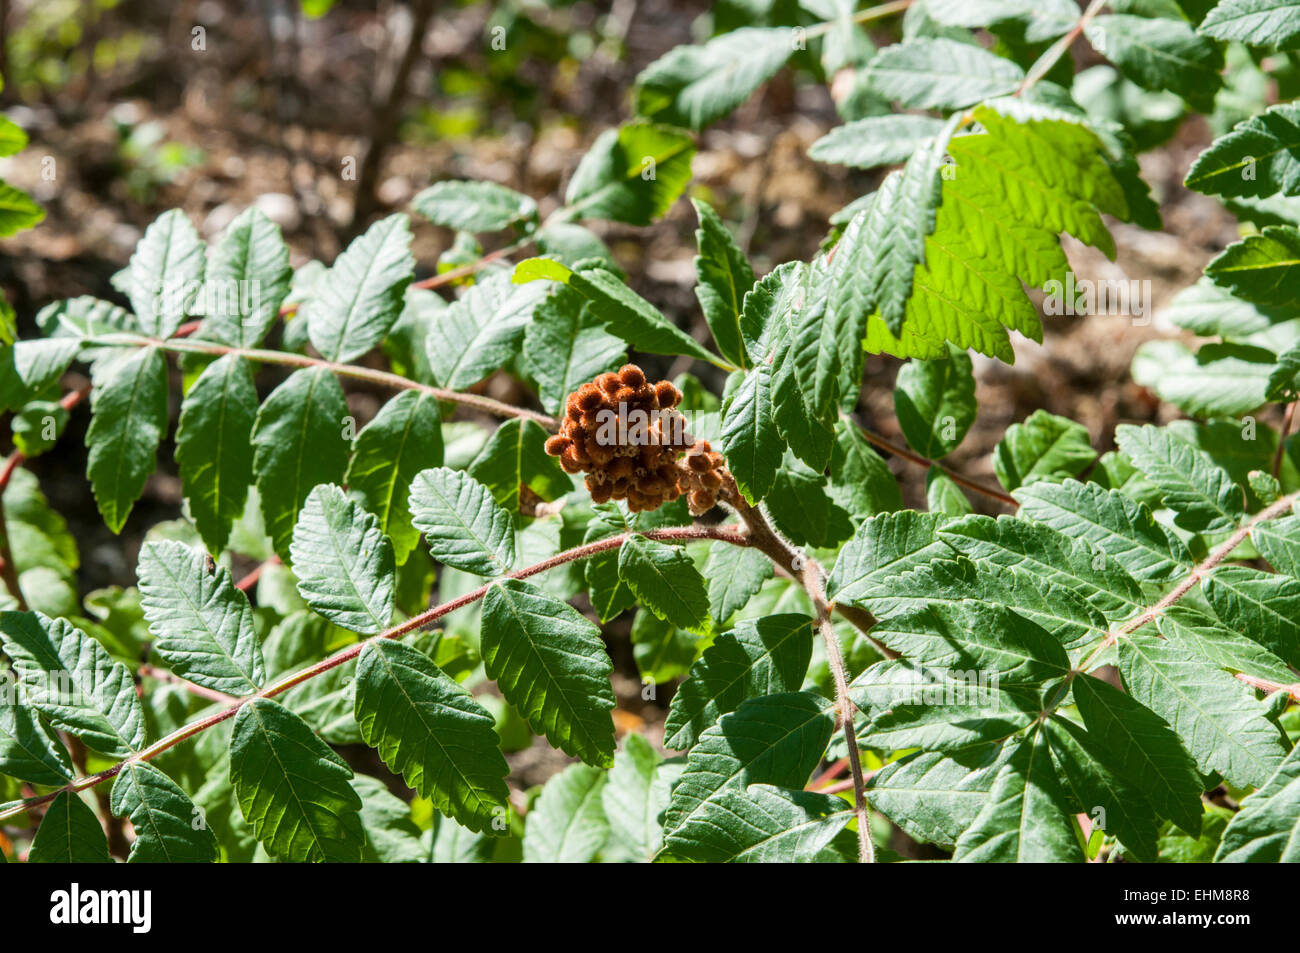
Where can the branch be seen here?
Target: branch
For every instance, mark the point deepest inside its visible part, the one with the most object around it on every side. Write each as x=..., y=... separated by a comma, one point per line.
x=813, y=581
x=727, y=534
x=884, y=444
x=1220, y=553
x=289, y=359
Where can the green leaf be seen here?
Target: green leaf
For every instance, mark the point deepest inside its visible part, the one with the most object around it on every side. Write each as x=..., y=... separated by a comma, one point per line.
x=473, y=206
x=128, y=420
x=927, y=73
x=1202, y=495
x=889, y=244
x=763, y=824
x=1222, y=725
x=70, y=679
x=247, y=280
x=212, y=447
x=567, y=825
x=1137, y=745
x=29, y=751
x=623, y=312
x=565, y=346
x=550, y=663
x=1284, y=380
x=168, y=827
x=876, y=140
x=1111, y=521
x=465, y=527
x=933, y=797
x=1160, y=54
x=1278, y=541
x=41, y=362
x=391, y=834
x=1268, y=23
x=1022, y=820
x=1038, y=20
x=480, y=331
x=884, y=546
x=516, y=457
x=354, y=304
x=166, y=273
x=1219, y=380
x=1016, y=544
x=1043, y=447
x=631, y=174
x=1264, y=606
x=1198, y=633
x=1124, y=811
x=298, y=443
x=404, y=438
x=725, y=278
x=662, y=651
x=431, y=730
x=1208, y=310
x=1262, y=268
x=734, y=574
x=1267, y=828
x=803, y=510
x=765, y=656
x=344, y=562
x=84, y=316
x=750, y=440
x=861, y=481
x=935, y=403
x=70, y=833
x=1046, y=601
x=695, y=85
x=973, y=636
x=666, y=582
x=202, y=625
x=1259, y=158
x=943, y=495
x=775, y=739
x=292, y=788
x=12, y=137
x=632, y=800
x=982, y=248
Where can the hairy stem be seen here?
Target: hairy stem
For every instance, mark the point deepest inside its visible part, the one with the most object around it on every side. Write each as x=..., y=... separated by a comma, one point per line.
x=810, y=575
x=814, y=582
x=424, y=619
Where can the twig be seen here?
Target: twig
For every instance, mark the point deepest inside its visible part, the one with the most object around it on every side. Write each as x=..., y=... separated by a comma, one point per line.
x=1269, y=687
x=249, y=581
x=289, y=359
x=885, y=444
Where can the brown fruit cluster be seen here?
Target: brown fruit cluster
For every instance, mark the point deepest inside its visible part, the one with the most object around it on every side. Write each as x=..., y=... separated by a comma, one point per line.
x=637, y=463
x=702, y=476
